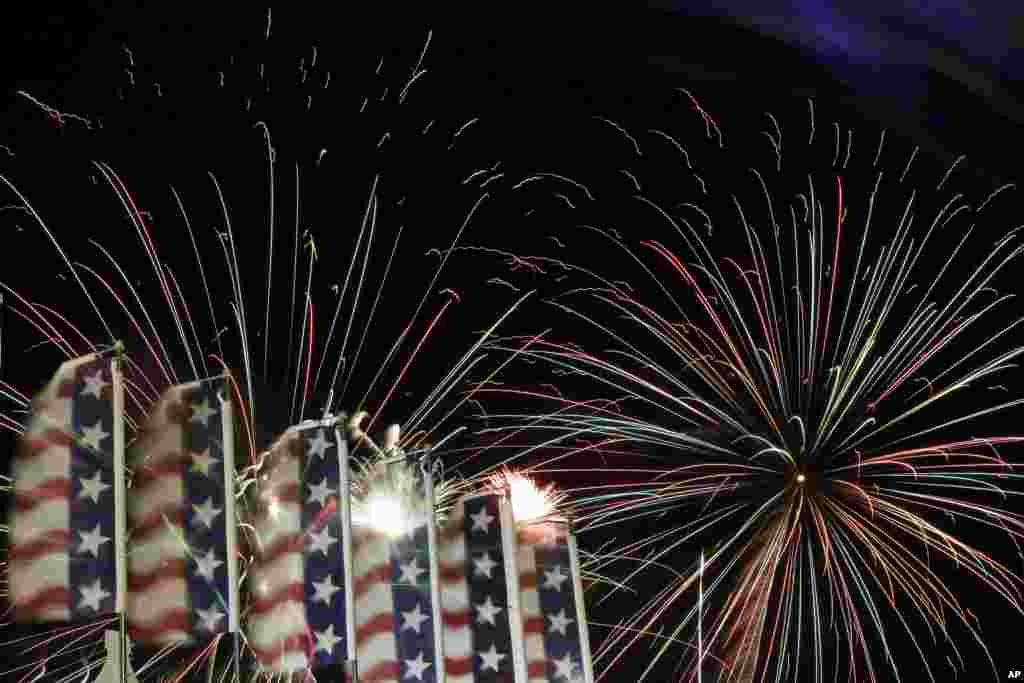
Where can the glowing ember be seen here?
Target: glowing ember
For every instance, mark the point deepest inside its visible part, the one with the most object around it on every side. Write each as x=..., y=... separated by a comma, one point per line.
x=386, y=496
x=529, y=501
x=385, y=513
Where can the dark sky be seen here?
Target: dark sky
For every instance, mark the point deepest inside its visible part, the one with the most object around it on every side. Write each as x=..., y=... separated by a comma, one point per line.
x=147, y=86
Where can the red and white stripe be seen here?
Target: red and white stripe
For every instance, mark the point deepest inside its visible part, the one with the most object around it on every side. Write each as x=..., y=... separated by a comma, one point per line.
x=529, y=596
x=374, y=607
x=158, y=602
x=456, y=609
x=277, y=628
x=38, y=557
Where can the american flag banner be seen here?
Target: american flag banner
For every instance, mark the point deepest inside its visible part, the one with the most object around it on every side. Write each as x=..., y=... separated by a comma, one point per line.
x=551, y=599
x=63, y=536
x=394, y=588
x=182, y=578
x=475, y=598
x=298, y=618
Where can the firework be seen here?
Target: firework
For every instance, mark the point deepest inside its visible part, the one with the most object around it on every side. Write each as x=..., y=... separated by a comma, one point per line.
x=803, y=380
x=305, y=318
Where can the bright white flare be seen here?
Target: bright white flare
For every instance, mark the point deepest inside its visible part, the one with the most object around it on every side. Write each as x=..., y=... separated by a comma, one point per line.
x=386, y=496
x=384, y=512
x=529, y=501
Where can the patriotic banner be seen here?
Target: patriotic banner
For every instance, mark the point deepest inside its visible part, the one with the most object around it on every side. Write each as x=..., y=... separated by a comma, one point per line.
x=475, y=592
x=63, y=525
x=393, y=592
x=181, y=519
x=298, y=617
x=552, y=605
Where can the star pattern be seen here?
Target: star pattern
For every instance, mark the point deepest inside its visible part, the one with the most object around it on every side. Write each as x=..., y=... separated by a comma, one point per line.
x=94, y=436
x=491, y=659
x=202, y=412
x=484, y=566
x=207, y=564
x=92, y=596
x=565, y=668
x=205, y=513
x=206, y=487
x=323, y=566
x=410, y=572
x=209, y=619
x=317, y=447
x=416, y=667
x=482, y=643
x=554, y=578
x=482, y=520
x=324, y=590
x=486, y=611
x=414, y=618
x=91, y=541
x=94, y=384
x=555, y=603
x=202, y=461
x=321, y=541
x=559, y=622
x=411, y=617
x=90, y=520
x=326, y=640
x=92, y=487
x=318, y=493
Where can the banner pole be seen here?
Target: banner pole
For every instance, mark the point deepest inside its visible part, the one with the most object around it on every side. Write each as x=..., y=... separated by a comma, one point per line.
x=435, y=570
x=581, y=610
x=228, y=437
x=120, y=511
x=345, y=505
x=510, y=550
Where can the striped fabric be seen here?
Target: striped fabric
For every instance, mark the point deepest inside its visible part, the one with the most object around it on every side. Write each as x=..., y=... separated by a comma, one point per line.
x=474, y=594
x=61, y=551
x=393, y=609
x=297, y=620
x=551, y=634
x=177, y=555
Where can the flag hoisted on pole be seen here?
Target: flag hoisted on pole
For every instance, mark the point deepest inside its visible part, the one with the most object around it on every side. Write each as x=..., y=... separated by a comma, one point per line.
x=553, y=618
x=395, y=590
x=64, y=526
x=345, y=498
x=181, y=586
x=510, y=546
x=428, y=471
x=476, y=592
x=68, y=532
x=581, y=605
x=301, y=616
x=118, y=665
x=227, y=408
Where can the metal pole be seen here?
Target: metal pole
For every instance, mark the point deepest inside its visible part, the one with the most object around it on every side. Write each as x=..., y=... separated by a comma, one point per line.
x=120, y=513
x=581, y=610
x=345, y=504
x=435, y=571
x=228, y=436
x=515, y=615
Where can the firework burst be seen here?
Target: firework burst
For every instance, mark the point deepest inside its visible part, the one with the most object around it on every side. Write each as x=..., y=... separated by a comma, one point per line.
x=304, y=317
x=805, y=383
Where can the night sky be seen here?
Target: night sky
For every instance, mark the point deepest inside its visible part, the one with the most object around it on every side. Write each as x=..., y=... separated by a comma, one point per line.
x=179, y=97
